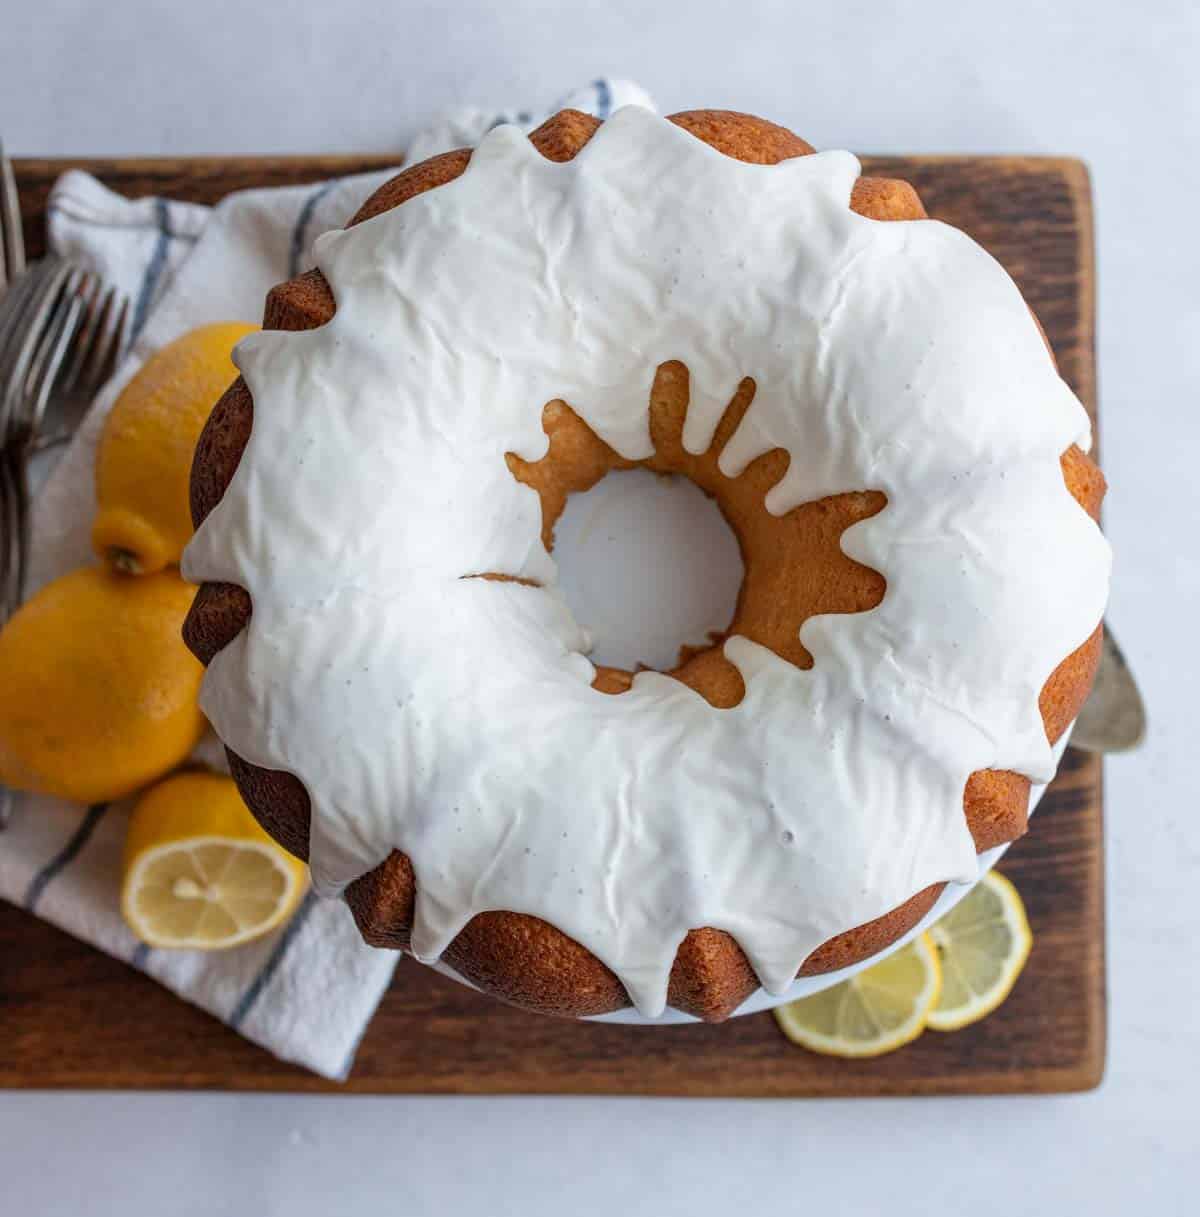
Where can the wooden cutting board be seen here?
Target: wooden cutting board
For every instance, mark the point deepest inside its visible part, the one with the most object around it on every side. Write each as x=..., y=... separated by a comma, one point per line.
x=72, y=1017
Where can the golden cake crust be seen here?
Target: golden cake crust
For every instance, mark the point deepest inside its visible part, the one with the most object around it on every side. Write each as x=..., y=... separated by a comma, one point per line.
x=519, y=958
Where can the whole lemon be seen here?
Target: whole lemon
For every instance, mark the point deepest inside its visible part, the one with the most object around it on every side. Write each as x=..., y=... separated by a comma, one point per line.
x=144, y=459
x=97, y=690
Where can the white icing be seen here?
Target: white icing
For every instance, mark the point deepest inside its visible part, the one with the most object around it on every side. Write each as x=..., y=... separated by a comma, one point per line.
x=452, y=718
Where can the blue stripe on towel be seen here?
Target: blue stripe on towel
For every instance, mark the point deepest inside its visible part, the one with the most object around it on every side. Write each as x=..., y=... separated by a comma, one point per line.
x=260, y=982
x=139, y=957
x=57, y=209
x=300, y=229
x=153, y=272
x=190, y=237
x=65, y=856
x=603, y=98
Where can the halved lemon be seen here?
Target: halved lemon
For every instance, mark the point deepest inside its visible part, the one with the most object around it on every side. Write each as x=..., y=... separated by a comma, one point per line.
x=876, y=1011
x=983, y=943
x=199, y=873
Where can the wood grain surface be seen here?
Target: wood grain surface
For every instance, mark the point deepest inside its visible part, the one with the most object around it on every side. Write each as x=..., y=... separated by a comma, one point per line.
x=72, y=1017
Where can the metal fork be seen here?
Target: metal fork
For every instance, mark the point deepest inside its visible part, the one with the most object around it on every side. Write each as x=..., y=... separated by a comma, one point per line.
x=97, y=347
x=71, y=344
x=29, y=394
x=40, y=319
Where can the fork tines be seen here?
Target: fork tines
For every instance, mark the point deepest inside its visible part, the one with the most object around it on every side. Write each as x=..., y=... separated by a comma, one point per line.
x=101, y=336
x=61, y=334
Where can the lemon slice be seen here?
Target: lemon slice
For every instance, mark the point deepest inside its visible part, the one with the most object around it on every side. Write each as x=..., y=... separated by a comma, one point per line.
x=199, y=872
x=983, y=943
x=876, y=1011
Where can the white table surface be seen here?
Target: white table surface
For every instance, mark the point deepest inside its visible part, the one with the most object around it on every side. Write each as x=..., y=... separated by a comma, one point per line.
x=1093, y=78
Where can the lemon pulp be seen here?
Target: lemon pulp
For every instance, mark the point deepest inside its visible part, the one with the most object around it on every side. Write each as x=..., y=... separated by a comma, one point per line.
x=982, y=943
x=199, y=871
x=875, y=1011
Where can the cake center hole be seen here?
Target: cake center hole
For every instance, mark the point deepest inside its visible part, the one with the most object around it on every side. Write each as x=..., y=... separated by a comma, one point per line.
x=648, y=564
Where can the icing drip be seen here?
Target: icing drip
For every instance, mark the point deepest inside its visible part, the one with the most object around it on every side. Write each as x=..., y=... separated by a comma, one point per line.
x=452, y=718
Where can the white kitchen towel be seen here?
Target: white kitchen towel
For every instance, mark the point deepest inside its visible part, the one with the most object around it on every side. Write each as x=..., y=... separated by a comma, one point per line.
x=307, y=992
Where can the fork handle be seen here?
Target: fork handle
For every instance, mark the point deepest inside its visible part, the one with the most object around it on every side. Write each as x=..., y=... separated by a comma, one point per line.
x=10, y=534
x=24, y=533
x=16, y=457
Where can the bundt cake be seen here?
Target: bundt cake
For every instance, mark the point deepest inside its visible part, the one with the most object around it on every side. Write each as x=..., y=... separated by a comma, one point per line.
x=406, y=699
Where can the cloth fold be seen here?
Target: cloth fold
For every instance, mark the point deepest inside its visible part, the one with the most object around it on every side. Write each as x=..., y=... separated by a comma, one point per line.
x=307, y=992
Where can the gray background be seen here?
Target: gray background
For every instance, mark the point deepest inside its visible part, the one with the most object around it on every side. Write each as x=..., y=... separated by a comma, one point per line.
x=1114, y=83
